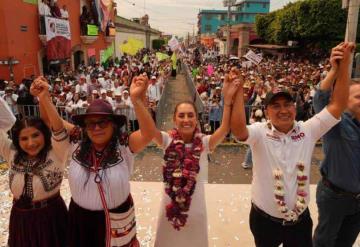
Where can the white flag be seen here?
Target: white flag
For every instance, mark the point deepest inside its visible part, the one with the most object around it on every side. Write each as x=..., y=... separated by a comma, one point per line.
x=173, y=43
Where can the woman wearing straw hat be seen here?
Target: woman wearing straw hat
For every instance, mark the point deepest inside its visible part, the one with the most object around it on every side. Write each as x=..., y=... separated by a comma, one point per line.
x=101, y=209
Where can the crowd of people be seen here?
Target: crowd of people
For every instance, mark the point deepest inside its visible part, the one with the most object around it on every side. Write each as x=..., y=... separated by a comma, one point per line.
x=299, y=76
x=50, y=8
x=72, y=92
x=100, y=154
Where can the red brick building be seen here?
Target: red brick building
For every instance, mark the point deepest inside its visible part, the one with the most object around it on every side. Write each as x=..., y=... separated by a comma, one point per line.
x=21, y=42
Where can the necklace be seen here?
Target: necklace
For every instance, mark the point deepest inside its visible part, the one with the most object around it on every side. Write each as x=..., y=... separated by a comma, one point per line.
x=300, y=205
x=179, y=172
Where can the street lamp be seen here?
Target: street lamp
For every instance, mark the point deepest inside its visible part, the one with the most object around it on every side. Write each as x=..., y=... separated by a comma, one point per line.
x=229, y=4
x=193, y=34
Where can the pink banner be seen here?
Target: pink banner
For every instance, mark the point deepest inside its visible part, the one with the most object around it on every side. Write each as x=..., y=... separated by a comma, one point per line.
x=91, y=52
x=210, y=70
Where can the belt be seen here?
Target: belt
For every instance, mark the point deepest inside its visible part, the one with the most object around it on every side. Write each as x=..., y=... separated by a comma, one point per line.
x=339, y=190
x=282, y=221
x=36, y=204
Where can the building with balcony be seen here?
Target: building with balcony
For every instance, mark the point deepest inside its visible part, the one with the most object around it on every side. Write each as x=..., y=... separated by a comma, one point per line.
x=24, y=44
x=209, y=21
x=212, y=24
x=248, y=9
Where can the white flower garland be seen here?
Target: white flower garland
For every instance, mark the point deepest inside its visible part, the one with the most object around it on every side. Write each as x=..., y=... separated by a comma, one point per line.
x=300, y=205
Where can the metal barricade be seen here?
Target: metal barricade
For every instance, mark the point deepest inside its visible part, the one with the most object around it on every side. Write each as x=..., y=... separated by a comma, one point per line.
x=209, y=125
x=192, y=88
x=34, y=111
x=161, y=105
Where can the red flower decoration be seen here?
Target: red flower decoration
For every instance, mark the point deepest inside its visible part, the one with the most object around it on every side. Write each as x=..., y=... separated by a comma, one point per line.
x=179, y=173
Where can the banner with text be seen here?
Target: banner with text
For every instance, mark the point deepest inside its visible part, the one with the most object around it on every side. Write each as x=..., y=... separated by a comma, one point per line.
x=58, y=39
x=253, y=57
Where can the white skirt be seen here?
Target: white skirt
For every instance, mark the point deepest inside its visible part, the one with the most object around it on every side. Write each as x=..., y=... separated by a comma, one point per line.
x=194, y=233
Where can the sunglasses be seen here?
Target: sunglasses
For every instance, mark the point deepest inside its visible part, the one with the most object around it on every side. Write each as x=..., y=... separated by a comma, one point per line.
x=101, y=123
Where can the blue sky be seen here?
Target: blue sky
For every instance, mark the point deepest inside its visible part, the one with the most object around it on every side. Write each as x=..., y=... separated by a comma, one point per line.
x=174, y=16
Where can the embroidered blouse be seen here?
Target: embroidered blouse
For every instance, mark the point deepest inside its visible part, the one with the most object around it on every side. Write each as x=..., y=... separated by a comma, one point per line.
x=114, y=176
x=36, y=180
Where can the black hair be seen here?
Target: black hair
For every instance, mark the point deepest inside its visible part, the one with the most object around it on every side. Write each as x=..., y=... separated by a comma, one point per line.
x=111, y=155
x=86, y=143
x=38, y=124
x=188, y=102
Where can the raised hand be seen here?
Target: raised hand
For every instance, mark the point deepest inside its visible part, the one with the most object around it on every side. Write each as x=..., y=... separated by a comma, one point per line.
x=39, y=87
x=139, y=87
x=347, y=53
x=232, y=82
x=336, y=55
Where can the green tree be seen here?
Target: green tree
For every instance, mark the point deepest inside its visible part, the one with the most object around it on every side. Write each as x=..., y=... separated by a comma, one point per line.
x=319, y=23
x=157, y=44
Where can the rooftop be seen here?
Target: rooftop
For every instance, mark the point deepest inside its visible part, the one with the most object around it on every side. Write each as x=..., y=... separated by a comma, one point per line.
x=121, y=21
x=251, y=1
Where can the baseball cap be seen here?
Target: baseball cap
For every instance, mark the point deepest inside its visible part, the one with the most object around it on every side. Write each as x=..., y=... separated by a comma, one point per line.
x=270, y=97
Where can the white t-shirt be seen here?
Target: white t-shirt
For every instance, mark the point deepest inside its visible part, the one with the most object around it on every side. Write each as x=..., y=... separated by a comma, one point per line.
x=272, y=149
x=81, y=88
x=64, y=13
x=11, y=101
x=118, y=90
x=43, y=9
x=154, y=92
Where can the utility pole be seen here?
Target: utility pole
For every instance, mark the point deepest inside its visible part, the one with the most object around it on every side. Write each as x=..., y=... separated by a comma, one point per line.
x=352, y=21
x=229, y=4
x=188, y=39
x=193, y=30
x=228, y=31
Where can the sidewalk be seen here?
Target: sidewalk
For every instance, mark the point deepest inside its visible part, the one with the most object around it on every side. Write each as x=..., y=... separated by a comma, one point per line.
x=176, y=90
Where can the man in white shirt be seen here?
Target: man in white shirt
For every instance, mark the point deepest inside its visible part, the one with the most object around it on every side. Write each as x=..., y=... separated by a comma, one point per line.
x=82, y=86
x=154, y=90
x=134, y=124
x=11, y=99
x=119, y=105
x=104, y=96
x=43, y=8
x=64, y=13
x=282, y=149
x=117, y=88
x=102, y=81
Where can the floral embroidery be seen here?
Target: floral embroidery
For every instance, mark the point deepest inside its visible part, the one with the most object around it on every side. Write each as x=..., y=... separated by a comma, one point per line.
x=49, y=178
